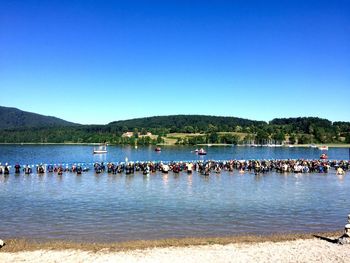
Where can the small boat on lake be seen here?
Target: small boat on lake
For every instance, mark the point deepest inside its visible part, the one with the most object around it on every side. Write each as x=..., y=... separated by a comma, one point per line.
x=158, y=149
x=323, y=148
x=201, y=152
x=323, y=156
x=101, y=149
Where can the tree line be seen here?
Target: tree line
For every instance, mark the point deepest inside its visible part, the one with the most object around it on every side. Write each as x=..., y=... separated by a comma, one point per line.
x=207, y=129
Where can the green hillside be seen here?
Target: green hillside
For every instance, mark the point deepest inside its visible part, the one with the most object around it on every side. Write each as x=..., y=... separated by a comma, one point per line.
x=12, y=118
x=23, y=127
x=186, y=123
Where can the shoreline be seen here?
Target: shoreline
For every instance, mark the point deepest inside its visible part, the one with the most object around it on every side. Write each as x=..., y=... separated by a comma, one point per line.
x=49, y=143
x=14, y=245
x=330, y=145
x=287, y=248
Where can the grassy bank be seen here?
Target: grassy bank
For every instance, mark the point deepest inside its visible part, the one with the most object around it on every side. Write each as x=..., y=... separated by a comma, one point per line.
x=16, y=245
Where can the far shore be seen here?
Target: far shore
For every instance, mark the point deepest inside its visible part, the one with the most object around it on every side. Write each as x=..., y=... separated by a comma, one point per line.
x=331, y=145
x=49, y=143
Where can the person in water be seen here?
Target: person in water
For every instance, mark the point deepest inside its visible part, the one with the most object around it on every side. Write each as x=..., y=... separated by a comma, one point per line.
x=6, y=169
x=27, y=169
x=340, y=171
x=17, y=168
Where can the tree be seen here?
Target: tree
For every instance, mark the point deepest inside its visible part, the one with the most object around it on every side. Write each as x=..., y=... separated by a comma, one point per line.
x=212, y=128
x=249, y=138
x=262, y=136
x=160, y=139
x=188, y=129
x=179, y=141
x=230, y=139
x=292, y=138
x=304, y=139
x=320, y=135
x=238, y=128
x=278, y=136
x=196, y=140
x=143, y=131
x=213, y=137
x=136, y=133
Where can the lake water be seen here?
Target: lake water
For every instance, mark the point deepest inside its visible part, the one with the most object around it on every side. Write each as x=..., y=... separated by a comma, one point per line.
x=120, y=207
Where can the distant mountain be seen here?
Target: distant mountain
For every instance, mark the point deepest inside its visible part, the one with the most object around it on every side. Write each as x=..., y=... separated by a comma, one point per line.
x=12, y=118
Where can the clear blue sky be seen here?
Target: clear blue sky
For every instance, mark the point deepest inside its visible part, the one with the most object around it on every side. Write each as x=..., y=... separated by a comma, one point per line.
x=100, y=61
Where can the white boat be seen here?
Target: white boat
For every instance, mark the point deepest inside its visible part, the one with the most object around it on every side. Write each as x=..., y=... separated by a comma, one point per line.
x=100, y=149
x=312, y=146
x=323, y=148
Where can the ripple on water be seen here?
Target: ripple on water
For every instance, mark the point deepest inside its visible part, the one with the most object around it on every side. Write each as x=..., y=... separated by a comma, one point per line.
x=119, y=207
x=129, y=208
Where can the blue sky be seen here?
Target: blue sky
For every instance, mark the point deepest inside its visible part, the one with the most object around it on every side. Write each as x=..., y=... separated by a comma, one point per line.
x=100, y=61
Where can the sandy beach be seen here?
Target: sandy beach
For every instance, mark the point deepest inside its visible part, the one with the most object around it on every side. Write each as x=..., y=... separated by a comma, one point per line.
x=300, y=250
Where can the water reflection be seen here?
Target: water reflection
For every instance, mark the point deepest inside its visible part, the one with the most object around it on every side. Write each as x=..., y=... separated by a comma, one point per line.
x=4, y=178
x=128, y=181
x=146, y=178
x=100, y=157
x=189, y=183
x=216, y=204
x=78, y=179
x=341, y=177
x=205, y=178
x=257, y=177
x=165, y=178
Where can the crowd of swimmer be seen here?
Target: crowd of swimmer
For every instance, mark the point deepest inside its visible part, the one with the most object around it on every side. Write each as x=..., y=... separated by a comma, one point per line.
x=201, y=167
x=42, y=168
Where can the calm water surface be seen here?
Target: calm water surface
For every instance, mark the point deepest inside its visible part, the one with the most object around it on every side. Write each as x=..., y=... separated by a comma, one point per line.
x=122, y=207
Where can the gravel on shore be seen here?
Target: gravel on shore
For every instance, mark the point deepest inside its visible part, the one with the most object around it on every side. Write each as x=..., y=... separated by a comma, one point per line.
x=298, y=250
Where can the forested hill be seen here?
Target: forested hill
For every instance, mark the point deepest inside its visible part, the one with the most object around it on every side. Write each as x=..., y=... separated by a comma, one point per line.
x=19, y=127
x=12, y=118
x=186, y=123
x=302, y=121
